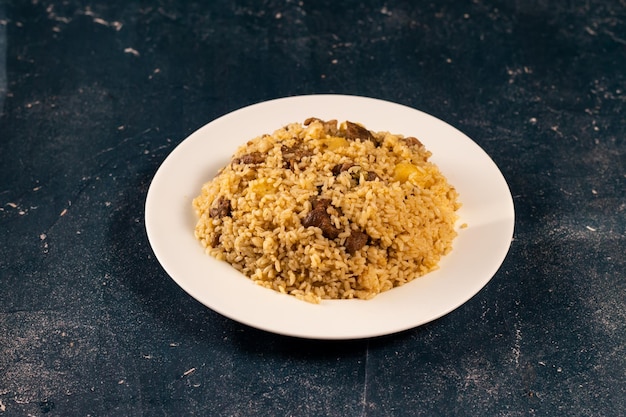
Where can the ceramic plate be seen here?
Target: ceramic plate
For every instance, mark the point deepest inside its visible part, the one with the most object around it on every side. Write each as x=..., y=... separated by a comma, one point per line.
x=477, y=253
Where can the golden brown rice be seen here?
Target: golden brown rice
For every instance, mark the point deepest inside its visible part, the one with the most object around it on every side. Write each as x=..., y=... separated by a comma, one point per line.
x=322, y=210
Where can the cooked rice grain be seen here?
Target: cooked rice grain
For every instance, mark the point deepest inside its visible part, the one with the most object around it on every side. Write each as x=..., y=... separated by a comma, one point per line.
x=326, y=211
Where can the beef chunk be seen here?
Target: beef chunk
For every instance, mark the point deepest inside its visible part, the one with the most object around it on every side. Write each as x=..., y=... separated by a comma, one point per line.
x=412, y=141
x=371, y=176
x=356, y=241
x=311, y=120
x=215, y=241
x=294, y=154
x=338, y=169
x=356, y=173
x=252, y=158
x=319, y=217
x=355, y=131
x=330, y=127
x=320, y=203
x=221, y=209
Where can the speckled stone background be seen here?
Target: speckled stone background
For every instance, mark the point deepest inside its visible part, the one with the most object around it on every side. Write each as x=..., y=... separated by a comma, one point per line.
x=95, y=94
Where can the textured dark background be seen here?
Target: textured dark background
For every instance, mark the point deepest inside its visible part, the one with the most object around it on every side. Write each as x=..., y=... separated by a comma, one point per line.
x=95, y=94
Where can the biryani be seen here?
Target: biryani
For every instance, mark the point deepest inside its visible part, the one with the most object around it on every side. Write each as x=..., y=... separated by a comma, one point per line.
x=327, y=210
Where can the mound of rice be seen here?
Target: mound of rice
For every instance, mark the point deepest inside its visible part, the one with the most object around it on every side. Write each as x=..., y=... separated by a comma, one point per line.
x=322, y=210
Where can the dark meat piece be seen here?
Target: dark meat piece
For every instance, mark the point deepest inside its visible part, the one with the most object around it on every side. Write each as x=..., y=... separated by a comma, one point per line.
x=355, y=131
x=294, y=154
x=318, y=217
x=215, y=242
x=330, y=127
x=250, y=158
x=411, y=141
x=320, y=203
x=311, y=120
x=221, y=209
x=356, y=241
x=356, y=173
x=338, y=169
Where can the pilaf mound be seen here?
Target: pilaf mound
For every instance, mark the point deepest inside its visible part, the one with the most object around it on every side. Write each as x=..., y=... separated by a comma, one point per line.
x=322, y=210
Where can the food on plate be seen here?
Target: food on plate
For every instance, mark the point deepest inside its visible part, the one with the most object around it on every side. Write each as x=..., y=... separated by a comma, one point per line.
x=327, y=210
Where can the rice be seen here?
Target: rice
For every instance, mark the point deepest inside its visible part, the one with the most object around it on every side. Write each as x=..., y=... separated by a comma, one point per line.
x=321, y=210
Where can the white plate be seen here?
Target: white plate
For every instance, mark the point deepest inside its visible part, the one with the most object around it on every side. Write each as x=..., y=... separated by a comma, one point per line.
x=478, y=252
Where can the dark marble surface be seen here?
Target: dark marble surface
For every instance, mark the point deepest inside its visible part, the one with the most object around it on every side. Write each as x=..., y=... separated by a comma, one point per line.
x=95, y=94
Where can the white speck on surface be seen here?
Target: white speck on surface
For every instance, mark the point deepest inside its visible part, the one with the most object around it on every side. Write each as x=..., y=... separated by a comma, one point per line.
x=115, y=24
x=590, y=31
x=3, y=407
x=189, y=372
x=533, y=120
x=365, y=380
x=517, y=346
x=131, y=51
x=278, y=15
x=591, y=228
x=385, y=11
x=100, y=21
x=43, y=236
x=556, y=130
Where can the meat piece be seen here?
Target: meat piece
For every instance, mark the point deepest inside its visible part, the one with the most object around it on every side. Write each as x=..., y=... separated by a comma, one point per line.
x=215, y=241
x=328, y=229
x=319, y=217
x=339, y=168
x=294, y=154
x=356, y=241
x=356, y=173
x=252, y=158
x=330, y=126
x=412, y=141
x=355, y=131
x=221, y=209
x=320, y=203
x=311, y=120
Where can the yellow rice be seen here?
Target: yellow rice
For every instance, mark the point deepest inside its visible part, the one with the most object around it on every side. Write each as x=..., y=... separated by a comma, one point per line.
x=407, y=211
